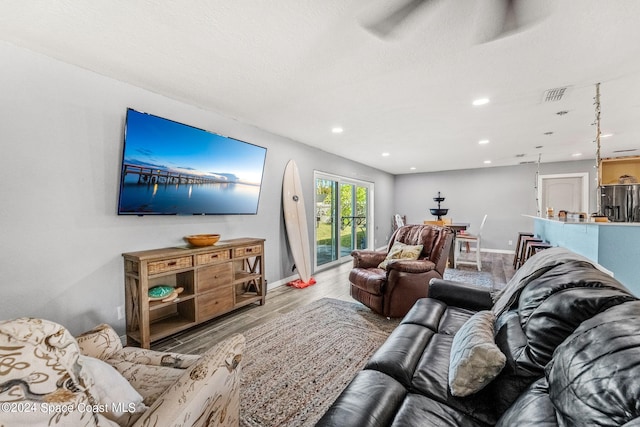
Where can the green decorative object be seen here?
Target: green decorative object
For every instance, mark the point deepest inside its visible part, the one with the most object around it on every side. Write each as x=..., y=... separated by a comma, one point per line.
x=160, y=292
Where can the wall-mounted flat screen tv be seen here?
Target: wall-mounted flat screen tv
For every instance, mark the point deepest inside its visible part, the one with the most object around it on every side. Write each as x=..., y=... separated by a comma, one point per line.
x=169, y=168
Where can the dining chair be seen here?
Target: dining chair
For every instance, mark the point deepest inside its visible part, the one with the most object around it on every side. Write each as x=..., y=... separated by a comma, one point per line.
x=466, y=239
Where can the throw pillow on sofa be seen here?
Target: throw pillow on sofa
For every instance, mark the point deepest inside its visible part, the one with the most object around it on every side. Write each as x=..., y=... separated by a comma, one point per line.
x=117, y=399
x=475, y=358
x=101, y=342
x=401, y=251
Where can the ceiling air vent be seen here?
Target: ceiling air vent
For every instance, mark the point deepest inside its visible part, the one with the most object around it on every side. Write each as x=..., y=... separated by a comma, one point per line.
x=552, y=95
x=625, y=151
x=527, y=162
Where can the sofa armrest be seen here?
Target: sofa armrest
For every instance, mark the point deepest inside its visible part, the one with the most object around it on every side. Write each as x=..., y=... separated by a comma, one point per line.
x=461, y=294
x=208, y=393
x=101, y=342
x=151, y=357
x=367, y=259
x=411, y=266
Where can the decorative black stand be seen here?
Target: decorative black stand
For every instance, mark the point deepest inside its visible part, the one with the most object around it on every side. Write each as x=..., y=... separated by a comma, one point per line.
x=439, y=211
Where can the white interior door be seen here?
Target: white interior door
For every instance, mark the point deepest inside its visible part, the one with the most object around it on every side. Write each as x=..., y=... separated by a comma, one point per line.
x=568, y=192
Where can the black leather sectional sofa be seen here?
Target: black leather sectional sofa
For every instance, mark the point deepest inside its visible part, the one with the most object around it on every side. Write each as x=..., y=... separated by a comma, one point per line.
x=569, y=332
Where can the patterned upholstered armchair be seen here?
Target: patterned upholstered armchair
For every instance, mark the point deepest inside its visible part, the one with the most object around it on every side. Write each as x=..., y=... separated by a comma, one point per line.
x=390, y=282
x=48, y=377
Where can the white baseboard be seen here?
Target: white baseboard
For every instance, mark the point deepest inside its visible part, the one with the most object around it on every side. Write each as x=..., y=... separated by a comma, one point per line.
x=281, y=282
x=495, y=251
x=499, y=251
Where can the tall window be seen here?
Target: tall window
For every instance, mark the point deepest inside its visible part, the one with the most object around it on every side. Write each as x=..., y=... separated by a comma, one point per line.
x=343, y=217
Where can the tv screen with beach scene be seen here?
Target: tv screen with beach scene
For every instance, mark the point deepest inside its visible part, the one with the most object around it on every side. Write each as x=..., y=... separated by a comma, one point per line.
x=169, y=168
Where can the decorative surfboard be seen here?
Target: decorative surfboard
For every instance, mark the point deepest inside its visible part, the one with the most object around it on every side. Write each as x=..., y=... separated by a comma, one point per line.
x=295, y=220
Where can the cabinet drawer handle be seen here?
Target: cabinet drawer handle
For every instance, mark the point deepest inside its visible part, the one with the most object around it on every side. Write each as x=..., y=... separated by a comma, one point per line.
x=172, y=263
x=214, y=256
x=249, y=250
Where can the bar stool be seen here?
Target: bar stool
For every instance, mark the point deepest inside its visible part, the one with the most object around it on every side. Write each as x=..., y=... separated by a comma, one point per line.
x=535, y=247
x=516, y=256
x=522, y=251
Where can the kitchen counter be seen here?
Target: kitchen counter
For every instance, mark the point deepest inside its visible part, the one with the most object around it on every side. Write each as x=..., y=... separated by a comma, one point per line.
x=614, y=245
x=588, y=222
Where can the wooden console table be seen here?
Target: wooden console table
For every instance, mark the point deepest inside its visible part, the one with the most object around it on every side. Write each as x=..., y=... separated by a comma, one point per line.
x=216, y=280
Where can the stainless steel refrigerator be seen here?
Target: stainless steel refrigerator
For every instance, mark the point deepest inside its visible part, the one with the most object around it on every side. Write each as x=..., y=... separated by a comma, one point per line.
x=621, y=202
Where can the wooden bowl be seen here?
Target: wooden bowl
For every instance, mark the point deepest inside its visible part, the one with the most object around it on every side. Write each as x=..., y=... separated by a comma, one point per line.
x=202, y=239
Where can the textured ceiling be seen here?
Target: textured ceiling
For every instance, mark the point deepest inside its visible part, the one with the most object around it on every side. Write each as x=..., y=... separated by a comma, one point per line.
x=298, y=68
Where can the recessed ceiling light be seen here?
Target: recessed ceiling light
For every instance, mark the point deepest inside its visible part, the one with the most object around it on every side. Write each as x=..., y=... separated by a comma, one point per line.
x=483, y=141
x=486, y=162
x=412, y=168
x=577, y=154
x=337, y=129
x=480, y=101
x=385, y=154
x=605, y=135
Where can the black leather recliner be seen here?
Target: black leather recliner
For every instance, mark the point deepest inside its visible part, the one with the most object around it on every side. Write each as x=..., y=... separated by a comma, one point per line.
x=571, y=337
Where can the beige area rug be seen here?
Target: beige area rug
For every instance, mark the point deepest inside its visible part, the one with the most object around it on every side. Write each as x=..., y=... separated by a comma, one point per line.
x=296, y=365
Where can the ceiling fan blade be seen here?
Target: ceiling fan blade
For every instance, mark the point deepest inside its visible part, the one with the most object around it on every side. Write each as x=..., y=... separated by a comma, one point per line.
x=510, y=20
x=383, y=27
x=505, y=21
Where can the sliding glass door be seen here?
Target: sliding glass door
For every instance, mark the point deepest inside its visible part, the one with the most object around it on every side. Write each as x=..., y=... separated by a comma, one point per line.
x=343, y=217
x=326, y=224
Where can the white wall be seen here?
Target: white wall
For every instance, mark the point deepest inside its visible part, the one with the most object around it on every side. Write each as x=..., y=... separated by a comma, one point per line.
x=61, y=146
x=504, y=193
